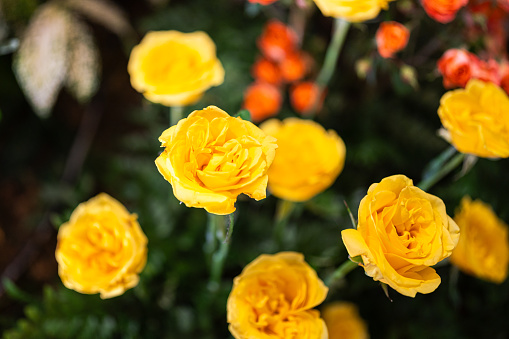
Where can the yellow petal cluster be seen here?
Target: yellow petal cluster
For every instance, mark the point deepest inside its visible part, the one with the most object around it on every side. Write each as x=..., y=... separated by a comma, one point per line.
x=101, y=249
x=477, y=119
x=174, y=68
x=308, y=160
x=343, y=321
x=401, y=232
x=210, y=158
x=273, y=298
x=352, y=10
x=483, y=248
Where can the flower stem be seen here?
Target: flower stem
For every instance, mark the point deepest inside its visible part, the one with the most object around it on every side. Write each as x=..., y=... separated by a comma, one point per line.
x=444, y=168
x=331, y=56
x=176, y=114
x=284, y=210
x=341, y=272
x=219, y=231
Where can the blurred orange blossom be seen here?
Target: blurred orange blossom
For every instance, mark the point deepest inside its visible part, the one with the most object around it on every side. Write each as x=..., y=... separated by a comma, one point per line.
x=262, y=100
x=391, y=37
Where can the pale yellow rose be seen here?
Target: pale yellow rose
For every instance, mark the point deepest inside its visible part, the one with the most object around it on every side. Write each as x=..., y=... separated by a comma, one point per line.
x=483, y=248
x=273, y=298
x=174, y=68
x=477, y=119
x=343, y=321
x=101, y=249
x=352, y=10
x=308, y=160
x=210, y=158
x=401, y=231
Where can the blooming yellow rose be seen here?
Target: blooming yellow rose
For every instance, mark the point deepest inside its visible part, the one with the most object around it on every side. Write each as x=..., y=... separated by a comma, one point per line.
x=401, y=231
x=352, y=10
x=210, y=158
x=483, y=248
x=308, y=160
x=273, y=298
x=174, y=68
x=101, y=249
x=344, y=322
x=477, y=119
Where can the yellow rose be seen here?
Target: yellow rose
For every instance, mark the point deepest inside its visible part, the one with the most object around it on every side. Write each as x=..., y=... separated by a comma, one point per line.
x=210, y=158
x=273, y=298
x=352, y=10
x=174, y=68
x=483, y=248
x=401, y=231
x=101, y=249
x=308, y=160
x=477, y=119
x=344, y=322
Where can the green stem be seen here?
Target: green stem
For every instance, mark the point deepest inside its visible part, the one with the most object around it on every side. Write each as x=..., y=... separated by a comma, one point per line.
x=341, y=272
x=220, y=231
x=176, y=114
x=284, y=210
x=331, y=56
x=447, y=168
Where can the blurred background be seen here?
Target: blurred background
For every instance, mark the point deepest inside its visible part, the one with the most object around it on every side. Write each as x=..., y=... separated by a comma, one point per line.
x=87, y=131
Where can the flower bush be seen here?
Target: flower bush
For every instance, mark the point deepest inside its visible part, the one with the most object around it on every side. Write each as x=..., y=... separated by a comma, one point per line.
x=235, y=266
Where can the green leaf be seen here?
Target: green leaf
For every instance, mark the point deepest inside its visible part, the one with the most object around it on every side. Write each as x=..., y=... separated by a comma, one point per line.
x=244, y=115
x=16, y=293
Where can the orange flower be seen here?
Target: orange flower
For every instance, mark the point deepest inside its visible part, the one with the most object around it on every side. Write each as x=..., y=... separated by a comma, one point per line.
x=504, y=76
x=487, y=71
x=443, y=11
x=391, y=37
x=267, y=71
x=457, y=66
x=305, y=96
x=262, y=2
x=277, y=40
x=262, y=100
x=504, y=4
x=295, y=66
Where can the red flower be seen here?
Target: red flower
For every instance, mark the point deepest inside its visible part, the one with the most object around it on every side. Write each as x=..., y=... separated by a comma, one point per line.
x=266, y=71
x=305, y=96
x=457, y=66
x=443, y=11
x=391, y=37
x=277, y=40
x=262, y=2
x=262, y=100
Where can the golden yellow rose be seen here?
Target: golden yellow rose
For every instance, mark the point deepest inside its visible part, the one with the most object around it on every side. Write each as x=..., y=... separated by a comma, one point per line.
x=343, y=321
x=101, y=249
x=483, y=248
x=308, y=160
x=210, y=158
x=273, y=298
x=174, y=68
x=352, y=10
x=477, y=119
x=401, y=231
